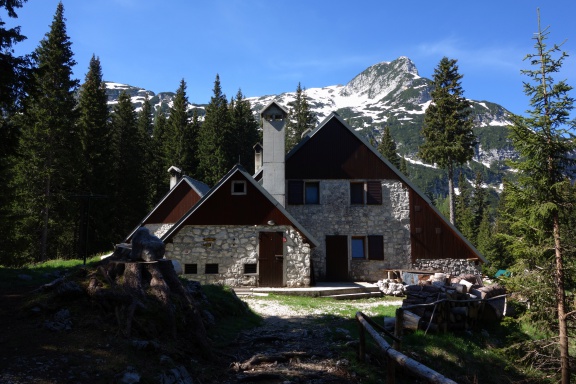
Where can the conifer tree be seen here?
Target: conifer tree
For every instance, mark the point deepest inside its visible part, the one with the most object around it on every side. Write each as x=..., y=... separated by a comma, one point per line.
x=12, y=77
x=403, y=166
x=159, y=184
x=96, y=163
x=300, y=118
x=129, y=189
x=214, y=140
x=478, y=203
x=541, y=198
x=244, y=130
x=180, y=150
x=447, y=129
x=145, y=126
x=464, y=218
x=387, y=148
x=47, y=170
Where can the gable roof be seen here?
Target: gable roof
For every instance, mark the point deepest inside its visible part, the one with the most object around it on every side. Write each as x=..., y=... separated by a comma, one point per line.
x=219, y=207
x=335, y=118
x=185, y=184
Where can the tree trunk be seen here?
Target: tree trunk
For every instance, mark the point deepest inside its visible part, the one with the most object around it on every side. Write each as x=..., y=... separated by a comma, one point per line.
x=149, y=295
x=560, y=302
x=451, y=193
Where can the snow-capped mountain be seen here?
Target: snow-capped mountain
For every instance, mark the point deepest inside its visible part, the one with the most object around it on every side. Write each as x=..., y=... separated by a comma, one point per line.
x=387, y=93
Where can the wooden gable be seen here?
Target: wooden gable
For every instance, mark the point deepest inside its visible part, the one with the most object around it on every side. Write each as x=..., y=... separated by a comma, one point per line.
x=179, y=201
x=334, y=152
x=225, y=208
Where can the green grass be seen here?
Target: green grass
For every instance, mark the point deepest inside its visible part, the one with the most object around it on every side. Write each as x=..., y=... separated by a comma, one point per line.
x=33, y=275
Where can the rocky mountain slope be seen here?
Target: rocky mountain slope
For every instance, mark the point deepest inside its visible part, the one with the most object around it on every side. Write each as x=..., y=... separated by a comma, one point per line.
x=387, y=93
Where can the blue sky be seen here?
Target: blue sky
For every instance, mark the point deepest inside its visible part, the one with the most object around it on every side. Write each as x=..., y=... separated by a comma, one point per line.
x=268, y=46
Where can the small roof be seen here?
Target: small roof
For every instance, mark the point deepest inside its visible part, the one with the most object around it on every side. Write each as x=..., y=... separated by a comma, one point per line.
x=240, y=169
x=400, y=175
x=199, y=187
x=271, y=104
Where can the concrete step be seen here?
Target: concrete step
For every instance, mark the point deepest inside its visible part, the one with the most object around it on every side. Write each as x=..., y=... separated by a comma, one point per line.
x=354, y=296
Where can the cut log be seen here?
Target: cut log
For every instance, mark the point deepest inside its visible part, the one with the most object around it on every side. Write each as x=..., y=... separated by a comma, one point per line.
x=411, y=320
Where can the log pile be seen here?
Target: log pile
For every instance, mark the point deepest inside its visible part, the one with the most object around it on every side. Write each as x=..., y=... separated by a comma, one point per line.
x=444, y=303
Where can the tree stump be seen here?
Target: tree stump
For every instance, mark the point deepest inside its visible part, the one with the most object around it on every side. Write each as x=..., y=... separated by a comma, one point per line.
x=149, y=296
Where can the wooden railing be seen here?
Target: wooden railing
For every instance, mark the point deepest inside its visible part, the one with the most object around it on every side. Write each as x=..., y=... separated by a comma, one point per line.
x=393, y=357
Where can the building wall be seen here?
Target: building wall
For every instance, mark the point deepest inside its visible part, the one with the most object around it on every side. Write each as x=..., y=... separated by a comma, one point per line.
x=336, y=216
x=233, y=246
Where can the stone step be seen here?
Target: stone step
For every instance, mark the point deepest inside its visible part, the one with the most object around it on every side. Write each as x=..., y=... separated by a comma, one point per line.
x=355, y=296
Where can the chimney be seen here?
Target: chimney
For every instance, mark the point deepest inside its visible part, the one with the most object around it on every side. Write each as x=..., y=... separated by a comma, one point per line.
x=257, y=157
x=273, y=123
x=175, y=175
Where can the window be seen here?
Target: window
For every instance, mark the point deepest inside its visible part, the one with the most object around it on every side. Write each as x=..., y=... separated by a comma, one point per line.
x=312, y=192
x=369, y=192
x=250, y=268
x=358, y=251
x=190, y=269
x=375, y=249
x=211, y=269
x=303, y=192
x=356, y=193
x=238, y=187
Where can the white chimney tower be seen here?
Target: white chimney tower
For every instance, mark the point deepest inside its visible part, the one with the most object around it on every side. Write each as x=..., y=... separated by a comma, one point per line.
x=274, y=137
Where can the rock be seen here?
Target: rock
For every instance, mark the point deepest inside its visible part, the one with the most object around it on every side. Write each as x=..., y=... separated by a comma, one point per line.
x=146, y=246
x=129, y=376
x=24, y=277
x=177, y=375
x=61, y=322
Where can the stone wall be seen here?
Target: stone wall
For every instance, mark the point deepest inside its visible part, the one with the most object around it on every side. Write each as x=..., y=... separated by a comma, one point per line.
x=335, y=216
x=233, y=246
x=454, y=267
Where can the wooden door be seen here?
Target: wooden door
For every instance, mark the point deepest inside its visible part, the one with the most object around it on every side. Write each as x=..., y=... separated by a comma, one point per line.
x=271, y=259
x=336, y=258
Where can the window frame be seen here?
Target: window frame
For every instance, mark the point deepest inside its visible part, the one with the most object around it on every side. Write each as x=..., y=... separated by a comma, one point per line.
x=298, y=192
x=371, y=192
x=208, y=268
x=352, y=248
x=237, y=183
x=372, y=247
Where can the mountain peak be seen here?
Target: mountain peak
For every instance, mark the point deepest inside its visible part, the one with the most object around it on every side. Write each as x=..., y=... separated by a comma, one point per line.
x=379, y=80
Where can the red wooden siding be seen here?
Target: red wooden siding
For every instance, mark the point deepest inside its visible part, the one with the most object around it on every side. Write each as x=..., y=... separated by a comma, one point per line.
x=176, y=204
x=223, y=208
x=431, y=237
x=336, y=153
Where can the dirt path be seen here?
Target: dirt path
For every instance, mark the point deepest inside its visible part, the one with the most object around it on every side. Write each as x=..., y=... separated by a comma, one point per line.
x=296, y=346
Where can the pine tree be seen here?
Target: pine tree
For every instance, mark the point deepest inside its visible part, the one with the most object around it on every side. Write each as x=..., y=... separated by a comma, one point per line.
x=159, y=183
x=145, y=127
x=214, y=140
x=300, y=118
x=244, y=130
x=180, y=149
x=12, y=77
x=387, y=148
x=541, y=197
x=464, y=217
x=47, y=170
x=447, y=130
x=129, y=189
x=95, y=170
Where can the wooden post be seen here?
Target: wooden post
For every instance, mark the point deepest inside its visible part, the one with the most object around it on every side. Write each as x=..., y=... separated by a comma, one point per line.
x=390, y=371
x=362, y=345
x=398, y=328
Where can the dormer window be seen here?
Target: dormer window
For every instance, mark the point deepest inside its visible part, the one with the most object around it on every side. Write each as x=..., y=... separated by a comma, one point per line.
x=238, y=187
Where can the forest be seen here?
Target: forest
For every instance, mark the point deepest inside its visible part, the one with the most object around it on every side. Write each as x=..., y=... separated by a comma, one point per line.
x=77, y=175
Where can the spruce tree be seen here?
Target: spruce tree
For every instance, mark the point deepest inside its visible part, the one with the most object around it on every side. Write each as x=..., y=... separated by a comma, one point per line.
x=464, y=217
x=12, y=77
x=300, y=118
x=447, y=130
x=129, y=188
x=214, y=139
x=387, y=148
x=244, y=130
x=478, y=203
x=403, y=166
x=47, y=169
x=96, y=163
x=145, y=127
x=540, y=199
x=180, y=145
x=159, y=181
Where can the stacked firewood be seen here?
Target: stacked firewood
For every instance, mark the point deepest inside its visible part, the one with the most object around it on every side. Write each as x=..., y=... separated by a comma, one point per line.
x=443, y=303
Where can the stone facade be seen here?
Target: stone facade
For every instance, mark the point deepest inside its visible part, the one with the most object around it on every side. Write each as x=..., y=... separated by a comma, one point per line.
x=230, y=248
x=454, y=267
x=336, y=216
